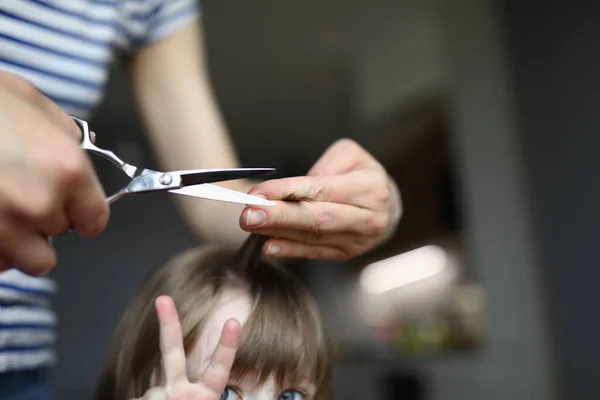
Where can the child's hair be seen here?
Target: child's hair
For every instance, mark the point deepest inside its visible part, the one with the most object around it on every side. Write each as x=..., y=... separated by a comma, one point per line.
x=283, y=336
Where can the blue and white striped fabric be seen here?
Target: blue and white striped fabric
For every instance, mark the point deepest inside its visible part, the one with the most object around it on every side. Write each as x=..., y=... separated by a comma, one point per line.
x=64, y=48
x=27, y=322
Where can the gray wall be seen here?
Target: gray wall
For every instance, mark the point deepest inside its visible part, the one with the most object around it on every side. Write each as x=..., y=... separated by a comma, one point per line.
x=516, y=362
x=556, y=78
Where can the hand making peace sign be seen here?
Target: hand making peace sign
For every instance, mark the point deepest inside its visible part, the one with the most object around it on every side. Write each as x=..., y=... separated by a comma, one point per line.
x=177, y=386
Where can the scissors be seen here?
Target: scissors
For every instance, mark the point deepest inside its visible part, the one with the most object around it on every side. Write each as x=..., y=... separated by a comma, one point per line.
x=194, y=183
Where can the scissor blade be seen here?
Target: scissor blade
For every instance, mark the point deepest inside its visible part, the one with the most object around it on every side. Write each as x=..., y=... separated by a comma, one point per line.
x=199, y=176
x=213, y=192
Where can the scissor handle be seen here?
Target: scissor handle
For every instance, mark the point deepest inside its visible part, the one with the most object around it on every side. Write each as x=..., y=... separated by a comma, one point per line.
x=88, y=145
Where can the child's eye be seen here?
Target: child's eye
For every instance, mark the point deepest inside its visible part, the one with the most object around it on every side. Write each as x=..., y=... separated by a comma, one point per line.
x=230, y=394
x=291, y=395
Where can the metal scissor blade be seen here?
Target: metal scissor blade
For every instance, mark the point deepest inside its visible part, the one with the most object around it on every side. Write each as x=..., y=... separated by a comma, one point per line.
x=200, y=176
x=213, y=192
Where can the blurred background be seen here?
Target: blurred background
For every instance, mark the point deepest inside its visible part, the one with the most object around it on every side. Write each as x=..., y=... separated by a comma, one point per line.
x=485, y=114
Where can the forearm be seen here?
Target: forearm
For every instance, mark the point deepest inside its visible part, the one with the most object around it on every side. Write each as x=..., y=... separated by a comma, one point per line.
x=208, y=220
x=186, y=128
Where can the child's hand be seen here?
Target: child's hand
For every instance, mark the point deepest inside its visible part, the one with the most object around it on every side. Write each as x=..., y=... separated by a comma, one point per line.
x=177, y=386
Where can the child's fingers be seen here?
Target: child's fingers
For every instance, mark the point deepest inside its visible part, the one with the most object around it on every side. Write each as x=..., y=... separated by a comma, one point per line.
x=171, y=341
x=216, y=375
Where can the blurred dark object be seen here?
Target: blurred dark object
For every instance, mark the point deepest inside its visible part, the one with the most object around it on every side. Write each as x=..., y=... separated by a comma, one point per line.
x=403, y=386
x=447, y=195
x=422, y=166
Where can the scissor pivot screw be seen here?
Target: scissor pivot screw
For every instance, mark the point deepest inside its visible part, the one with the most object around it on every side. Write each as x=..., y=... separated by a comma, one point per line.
x=165, y=179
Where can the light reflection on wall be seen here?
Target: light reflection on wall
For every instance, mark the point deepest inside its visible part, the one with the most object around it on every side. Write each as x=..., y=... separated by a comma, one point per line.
x=420, y=301
x=423, y=279
x=403, y=269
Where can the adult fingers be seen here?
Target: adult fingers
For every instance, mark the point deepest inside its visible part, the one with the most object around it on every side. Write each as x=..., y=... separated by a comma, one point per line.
x=311, y=237
x=60, y=193
x=363, y=188
x=296, y=188
x=33, y=200
x=291, y=249
x=29, y=250
x=29, y=216
x=341, y=157
x=55, y=224
x=299, y=244
x=318, y=217
x=171, y=341
x=40, y=144
x=86, y=203
x=61, y=119
x=29, y=93
x=216, y=375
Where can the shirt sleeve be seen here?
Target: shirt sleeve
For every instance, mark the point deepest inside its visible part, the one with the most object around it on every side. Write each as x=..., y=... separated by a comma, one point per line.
x=143, y=22
x=170, y=16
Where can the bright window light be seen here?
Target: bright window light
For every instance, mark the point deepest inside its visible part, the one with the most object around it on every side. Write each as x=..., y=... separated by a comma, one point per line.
x=403, y=269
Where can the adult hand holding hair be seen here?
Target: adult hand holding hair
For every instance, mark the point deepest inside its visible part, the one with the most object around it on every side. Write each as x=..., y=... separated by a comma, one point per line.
x=177, y=386
x=344, y=207
x=47, y=184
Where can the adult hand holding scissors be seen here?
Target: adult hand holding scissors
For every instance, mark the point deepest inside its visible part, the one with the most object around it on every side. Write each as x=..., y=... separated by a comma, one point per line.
x=345, y=206
x=47, y=184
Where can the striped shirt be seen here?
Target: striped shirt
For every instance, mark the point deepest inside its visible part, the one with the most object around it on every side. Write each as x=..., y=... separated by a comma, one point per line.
x=64, y=48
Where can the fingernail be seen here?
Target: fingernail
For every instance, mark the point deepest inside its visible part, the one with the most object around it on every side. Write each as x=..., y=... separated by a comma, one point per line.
x=255, y=217
x=260, y=196
x=273, y=249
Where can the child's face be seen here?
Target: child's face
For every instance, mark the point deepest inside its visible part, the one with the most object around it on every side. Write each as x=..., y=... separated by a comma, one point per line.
x=236, y=303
